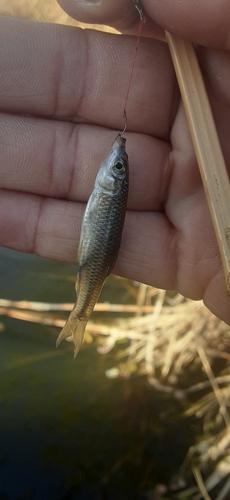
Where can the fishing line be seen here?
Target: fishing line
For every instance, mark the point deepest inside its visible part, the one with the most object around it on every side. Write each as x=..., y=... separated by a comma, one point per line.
x=142, y=21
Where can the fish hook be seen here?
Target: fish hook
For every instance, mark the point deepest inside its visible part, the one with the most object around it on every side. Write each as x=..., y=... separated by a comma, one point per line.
x=139, y=9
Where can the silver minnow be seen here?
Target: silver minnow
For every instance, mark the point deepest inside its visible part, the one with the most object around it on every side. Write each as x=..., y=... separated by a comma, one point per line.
x=100, y=238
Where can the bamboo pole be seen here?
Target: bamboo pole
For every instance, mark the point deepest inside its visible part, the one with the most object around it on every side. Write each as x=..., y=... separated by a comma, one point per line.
x=206, y=143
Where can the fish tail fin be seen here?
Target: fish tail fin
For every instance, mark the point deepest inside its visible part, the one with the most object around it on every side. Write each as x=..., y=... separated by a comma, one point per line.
x=74, y=328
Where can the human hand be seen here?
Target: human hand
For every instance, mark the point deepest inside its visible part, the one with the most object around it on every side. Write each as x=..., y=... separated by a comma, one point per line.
x=72, y=84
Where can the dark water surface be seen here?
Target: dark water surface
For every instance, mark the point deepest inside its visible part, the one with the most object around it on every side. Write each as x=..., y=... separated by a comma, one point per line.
x=66, y=431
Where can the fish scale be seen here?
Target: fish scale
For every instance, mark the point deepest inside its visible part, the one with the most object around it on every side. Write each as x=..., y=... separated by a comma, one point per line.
x=100, y=238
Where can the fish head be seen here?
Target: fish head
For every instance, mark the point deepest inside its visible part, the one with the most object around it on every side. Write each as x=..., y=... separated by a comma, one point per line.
x=114, y=170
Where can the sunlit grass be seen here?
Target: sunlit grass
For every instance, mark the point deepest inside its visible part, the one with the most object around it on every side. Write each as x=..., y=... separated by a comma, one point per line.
x=174, y=342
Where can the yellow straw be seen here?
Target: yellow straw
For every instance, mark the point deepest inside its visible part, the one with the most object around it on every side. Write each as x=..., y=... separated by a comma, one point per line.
x=206, y=143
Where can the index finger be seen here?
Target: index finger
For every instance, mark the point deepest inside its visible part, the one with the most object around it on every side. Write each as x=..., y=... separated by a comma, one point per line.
x=121, y=15
x=82, y=75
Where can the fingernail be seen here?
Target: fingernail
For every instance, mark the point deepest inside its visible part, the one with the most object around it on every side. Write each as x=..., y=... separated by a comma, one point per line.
x=95, y=3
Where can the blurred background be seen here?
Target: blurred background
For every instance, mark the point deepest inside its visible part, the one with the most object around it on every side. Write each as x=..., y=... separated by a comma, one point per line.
x=142, y=413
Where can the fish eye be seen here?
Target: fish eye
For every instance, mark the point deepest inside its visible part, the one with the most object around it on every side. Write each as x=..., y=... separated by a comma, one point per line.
x=119, y=165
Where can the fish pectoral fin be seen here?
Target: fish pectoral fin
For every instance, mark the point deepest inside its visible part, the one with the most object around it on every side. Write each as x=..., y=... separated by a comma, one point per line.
x=74, y=328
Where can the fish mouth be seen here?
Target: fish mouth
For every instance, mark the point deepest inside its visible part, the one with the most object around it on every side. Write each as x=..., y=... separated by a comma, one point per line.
x=119, y=142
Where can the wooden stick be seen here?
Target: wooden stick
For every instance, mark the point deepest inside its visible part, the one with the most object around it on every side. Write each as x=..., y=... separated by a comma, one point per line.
x=206, y=143
x=99, y=307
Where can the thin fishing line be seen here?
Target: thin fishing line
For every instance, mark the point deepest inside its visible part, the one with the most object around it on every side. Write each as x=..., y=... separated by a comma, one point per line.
x=142, y=21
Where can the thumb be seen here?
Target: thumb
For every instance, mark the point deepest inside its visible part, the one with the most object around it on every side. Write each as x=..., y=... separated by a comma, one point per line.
x=119, y=14
x=203, y=22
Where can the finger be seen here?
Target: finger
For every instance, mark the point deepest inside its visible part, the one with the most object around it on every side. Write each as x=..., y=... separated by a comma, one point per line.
x=187, y=210
x=216, y=298
x=81, y=75
x=51, y=228
x=205, y=23
x=61, y=160
x=121, y=15
x=148, y=253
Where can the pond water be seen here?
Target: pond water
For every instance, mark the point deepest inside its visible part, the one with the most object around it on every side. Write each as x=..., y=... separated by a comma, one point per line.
x=66, y=431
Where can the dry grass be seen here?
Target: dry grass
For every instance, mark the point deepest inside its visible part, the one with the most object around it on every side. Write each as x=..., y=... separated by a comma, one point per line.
x=170, y=341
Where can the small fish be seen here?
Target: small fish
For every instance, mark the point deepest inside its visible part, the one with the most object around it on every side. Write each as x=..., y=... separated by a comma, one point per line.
x=100, y=238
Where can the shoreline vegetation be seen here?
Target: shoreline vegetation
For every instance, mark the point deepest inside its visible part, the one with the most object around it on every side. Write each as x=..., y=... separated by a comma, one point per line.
x=183, y=351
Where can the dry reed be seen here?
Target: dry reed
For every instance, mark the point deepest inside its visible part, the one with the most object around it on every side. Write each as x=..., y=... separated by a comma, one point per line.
x=179, y=337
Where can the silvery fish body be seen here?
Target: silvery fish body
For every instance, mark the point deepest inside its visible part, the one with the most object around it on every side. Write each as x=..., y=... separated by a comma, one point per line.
x=100, y=238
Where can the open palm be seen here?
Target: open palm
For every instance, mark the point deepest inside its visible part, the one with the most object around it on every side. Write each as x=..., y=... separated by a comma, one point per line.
x=62, y=94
